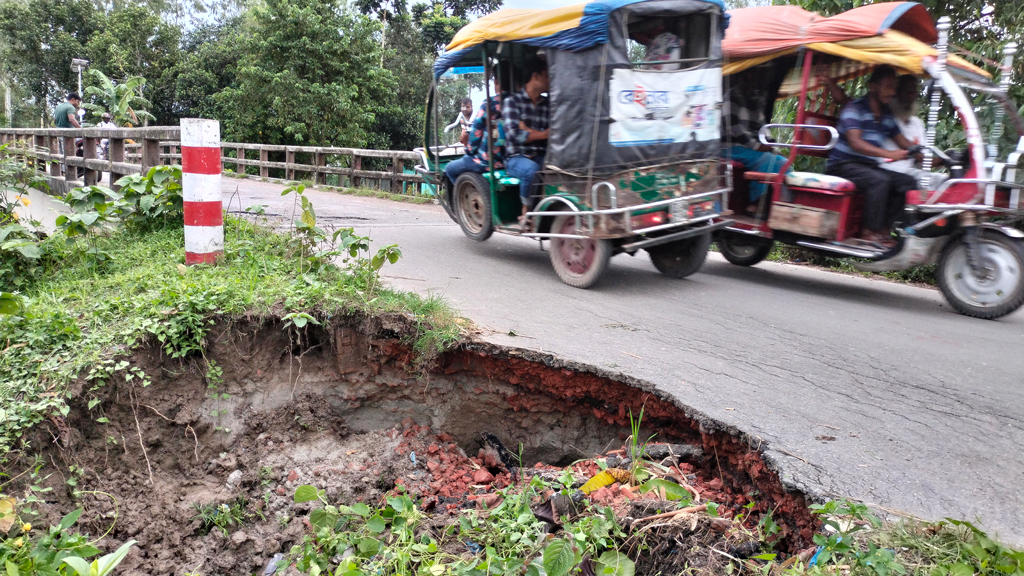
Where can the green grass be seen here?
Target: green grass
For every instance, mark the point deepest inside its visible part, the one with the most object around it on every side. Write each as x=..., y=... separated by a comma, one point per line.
x=371, y=193
x=80, y=322
x=790, y=255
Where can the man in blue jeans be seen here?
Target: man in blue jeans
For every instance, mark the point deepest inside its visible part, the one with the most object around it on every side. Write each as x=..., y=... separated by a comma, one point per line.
x=525, y=116
x=477, y=158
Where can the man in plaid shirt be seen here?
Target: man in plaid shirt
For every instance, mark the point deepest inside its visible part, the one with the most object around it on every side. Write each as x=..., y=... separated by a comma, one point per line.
x=746, y=108
x=525, y=116
x=476, y=158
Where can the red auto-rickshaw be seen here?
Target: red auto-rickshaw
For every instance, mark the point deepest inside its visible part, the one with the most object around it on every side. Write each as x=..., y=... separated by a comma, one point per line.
x=966, y=219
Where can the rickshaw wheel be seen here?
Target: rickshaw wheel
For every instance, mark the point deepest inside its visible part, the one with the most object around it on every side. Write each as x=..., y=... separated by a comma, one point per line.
x=473, y=205
x=681, y=258
x=999, y=291
x=578, y=262
x=743, y=250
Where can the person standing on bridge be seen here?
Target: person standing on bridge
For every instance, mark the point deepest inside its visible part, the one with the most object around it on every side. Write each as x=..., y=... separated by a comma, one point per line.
x=66, y=114
x=105, y=142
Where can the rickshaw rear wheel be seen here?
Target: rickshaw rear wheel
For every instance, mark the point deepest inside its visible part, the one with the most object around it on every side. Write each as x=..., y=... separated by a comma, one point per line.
x=998, y=290
x=473, y=205
x=681, y=258
x=579, y=262
x=744, y=250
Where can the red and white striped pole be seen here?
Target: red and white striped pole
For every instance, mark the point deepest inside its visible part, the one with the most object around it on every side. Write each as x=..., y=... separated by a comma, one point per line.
x=200, y=168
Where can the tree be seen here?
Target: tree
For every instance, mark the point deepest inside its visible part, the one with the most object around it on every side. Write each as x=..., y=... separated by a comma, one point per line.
x=121, y=100
x=437, y=25
x=209, y=63
x=311, y=74
x=137, y=42
x=40, y=39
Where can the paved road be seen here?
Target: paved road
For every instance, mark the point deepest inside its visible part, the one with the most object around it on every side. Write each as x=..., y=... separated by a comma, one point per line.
x=925, y=405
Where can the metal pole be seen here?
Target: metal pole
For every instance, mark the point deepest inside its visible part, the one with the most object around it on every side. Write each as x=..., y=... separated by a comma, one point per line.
x=79, y=80
x=7, y=106
x=933, y=108
x=1005, y=75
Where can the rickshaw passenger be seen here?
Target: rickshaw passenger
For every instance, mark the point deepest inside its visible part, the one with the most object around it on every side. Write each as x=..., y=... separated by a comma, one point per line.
x=476, y=158
x=525, y=115
x=745, y=109
x=864, y=125
x=904, y=108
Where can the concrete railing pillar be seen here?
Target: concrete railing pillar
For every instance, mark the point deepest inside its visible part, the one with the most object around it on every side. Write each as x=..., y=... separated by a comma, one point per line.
x=201, y=168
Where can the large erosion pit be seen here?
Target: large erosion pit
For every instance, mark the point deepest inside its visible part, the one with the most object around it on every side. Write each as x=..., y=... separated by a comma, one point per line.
x=343, y=408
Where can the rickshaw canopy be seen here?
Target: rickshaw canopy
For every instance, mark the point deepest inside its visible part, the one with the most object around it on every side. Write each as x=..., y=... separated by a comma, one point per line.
x=899, y=34
x=570, y=28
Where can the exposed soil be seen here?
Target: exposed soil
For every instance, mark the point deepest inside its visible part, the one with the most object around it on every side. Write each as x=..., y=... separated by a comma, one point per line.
x=345, y=410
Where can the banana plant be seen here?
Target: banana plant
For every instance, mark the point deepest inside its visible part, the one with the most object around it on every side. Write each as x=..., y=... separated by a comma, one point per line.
x=121, y=100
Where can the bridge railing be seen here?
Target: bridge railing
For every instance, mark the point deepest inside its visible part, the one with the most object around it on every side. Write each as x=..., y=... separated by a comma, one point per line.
x=136, y=150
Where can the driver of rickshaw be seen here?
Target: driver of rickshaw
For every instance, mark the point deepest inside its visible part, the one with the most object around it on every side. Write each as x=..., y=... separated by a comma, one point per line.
x=864, y=125
x=525, y=115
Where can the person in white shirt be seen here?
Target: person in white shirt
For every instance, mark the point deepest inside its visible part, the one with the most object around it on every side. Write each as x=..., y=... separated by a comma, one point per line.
x=105, y=143
x=904, y=108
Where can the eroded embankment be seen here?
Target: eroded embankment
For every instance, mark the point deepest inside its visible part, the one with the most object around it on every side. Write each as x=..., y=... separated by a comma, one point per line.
x=341, y=407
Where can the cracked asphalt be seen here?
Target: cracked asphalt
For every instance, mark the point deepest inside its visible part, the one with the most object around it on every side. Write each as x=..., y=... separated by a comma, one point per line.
x=859, y=387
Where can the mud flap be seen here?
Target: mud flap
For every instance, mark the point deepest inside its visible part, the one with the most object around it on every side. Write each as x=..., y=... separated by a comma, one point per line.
x=915, y=251
x=444, y=198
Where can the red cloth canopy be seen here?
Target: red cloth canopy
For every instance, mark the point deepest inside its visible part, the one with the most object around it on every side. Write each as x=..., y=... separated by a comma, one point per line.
x=762, y=30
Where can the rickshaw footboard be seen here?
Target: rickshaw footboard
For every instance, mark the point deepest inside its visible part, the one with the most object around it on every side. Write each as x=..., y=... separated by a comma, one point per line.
x=632, y=247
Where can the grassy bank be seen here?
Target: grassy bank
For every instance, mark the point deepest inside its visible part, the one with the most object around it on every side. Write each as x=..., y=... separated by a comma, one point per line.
x=78, y=319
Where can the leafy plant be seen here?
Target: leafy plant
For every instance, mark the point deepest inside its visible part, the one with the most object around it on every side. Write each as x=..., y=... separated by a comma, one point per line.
x=316, y=248
x=55, y=551
x=20, y=248
x=154, y=199
x=94, y=208
x=637, y=448
x=842, y=547
x=223, y=516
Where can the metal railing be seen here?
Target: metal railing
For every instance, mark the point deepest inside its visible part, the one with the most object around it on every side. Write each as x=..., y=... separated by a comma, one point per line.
x=136, y=150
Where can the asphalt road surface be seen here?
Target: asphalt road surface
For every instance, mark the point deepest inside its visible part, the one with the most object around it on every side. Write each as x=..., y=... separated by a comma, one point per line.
x=924, y=405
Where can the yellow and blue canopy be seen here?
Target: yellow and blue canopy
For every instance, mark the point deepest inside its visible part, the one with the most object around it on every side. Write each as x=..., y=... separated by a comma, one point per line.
x=571, y=28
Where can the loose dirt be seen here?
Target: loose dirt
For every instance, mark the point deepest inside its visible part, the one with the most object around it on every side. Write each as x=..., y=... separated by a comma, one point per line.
x=343, y=408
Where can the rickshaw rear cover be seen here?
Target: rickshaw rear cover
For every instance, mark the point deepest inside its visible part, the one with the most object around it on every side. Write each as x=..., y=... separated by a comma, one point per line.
x=606, y=116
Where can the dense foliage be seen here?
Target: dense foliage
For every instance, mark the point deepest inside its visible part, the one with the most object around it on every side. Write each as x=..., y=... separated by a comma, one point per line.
x=326, y=72
x=338, y=72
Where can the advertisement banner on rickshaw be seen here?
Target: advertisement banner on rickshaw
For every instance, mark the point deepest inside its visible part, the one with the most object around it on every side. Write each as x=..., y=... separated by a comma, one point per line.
x=649, y=107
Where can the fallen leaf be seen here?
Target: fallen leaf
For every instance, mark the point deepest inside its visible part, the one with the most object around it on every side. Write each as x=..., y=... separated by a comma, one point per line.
x=7, y=515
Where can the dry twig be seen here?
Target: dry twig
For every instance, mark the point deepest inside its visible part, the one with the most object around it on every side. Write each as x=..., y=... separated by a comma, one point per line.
x=141, y=443
x=674, y=513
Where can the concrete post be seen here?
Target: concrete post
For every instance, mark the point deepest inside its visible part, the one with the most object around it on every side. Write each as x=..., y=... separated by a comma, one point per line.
x=116, y=154
x=90, y=146
x=201, y=175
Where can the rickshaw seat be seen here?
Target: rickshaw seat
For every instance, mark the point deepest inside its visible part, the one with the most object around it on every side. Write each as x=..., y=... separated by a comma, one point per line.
x=822, y=182
x=503, y=178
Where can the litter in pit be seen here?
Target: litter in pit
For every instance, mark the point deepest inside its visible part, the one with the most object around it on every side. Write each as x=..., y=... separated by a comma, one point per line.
x=160, y=464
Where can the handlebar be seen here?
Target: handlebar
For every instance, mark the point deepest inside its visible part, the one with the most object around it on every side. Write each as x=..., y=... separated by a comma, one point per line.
x=762, y=136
